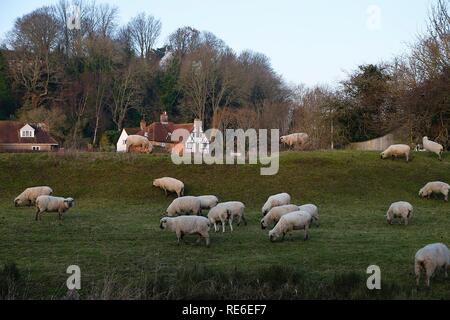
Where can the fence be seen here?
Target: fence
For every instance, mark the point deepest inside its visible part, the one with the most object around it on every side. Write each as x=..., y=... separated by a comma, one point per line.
x=378, y=144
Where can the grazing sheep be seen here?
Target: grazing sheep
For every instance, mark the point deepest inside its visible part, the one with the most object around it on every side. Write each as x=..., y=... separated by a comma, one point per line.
x=429, y=258
x=53, y=204
x=208, y=202
x=400, y=209
x=312, y=210
x=297, y=220
x=433, y=147
x=435, y=187
x=236, y=210
x=220, y=214
x=138, y=141
x=184, y=206
x=187, y=225
x=274, y=215
x=396, y=150
x=170, y=184
x=29, y=196
x=294, y=139
x=276, y=201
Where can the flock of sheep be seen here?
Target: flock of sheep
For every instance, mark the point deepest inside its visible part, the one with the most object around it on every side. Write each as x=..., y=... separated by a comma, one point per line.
x=184, y=214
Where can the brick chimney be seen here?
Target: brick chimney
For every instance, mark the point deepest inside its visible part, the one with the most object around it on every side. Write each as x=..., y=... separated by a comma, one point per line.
x=164, y=118
x=143, y=125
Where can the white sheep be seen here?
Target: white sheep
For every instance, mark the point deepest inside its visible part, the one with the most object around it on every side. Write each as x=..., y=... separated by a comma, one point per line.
x=401, y=209
x=396, y=150
x=274, y=214
x=433, y=147
x=220, y=214
x=297, y=220
x=28, y=196
x=184, y=225
x=435, y=187
x=236, y=210
x=170, y=185
x=53, y=204
x=276, y=201
x=208, y=202
x=138, y=141
x=294, y=139
x=312, y=210
x=429, y=258
x=184, y=206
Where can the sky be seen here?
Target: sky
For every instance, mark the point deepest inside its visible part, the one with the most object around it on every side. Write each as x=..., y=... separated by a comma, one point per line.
x=308, y=41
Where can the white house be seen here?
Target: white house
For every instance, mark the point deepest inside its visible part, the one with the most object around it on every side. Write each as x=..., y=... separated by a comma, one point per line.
x=197, y=141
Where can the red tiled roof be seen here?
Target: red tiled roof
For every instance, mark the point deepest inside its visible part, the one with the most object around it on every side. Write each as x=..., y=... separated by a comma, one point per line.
x=160, y=132
x=131, y=131
x=10, y=134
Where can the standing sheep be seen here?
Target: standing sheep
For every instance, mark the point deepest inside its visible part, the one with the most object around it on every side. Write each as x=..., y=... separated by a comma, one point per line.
x=435, y=187
x=184, y=206
x=429, y=258
x=170, y=184
x=274, y=215
x=294, y=139
x=53, y=204
x=220, y=214
x=276, y=201
x=297, y=220
x=29, y=196
x=208, y=202
x=401, y=209
x=187, y=225
x=433, y=147
x=396, y=150
x=138, y=141
x=236, y=210
x=312, y=210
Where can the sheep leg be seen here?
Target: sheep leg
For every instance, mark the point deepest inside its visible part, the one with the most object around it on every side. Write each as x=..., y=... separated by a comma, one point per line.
x=215, y=227
x=206, y=236
x=306, y=237
x=223, y=225
x=429, y=273
x=37, y=214
x=178, y=237
x=418, y=271
x=230, y=221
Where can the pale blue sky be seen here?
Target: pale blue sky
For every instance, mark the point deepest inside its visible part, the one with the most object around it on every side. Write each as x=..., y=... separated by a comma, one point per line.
x=308, y=41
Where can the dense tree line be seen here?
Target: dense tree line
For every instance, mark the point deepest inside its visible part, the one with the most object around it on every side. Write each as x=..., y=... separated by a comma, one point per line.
x=103, y=77
x=409, y=95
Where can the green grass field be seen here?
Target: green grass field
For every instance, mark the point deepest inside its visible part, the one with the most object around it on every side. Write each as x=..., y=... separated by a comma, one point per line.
x=113, y=232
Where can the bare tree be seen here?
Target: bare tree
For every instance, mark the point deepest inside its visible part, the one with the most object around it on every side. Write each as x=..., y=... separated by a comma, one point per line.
x=144, y=31
x=184, y=40
x=34, y=39
x=126, y=94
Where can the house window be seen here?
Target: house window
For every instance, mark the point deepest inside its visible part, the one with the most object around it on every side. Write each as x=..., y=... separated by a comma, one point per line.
x=27, y=134
x=124, y=142
x=36, y=148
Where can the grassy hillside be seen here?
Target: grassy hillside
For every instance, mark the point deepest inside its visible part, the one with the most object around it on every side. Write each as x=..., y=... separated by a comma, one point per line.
x=113, y=232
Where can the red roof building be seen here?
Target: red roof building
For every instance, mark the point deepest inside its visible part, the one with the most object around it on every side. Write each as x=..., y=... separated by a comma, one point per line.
x=18, y=136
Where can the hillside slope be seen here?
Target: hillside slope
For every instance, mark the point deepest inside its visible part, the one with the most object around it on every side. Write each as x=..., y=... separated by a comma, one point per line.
x=113, y=232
